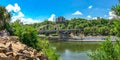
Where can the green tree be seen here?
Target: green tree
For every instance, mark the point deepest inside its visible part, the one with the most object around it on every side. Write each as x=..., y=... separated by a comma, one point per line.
x=107, y=51
x=5, y=18
x=26, y=33
x=116, y=10
x=29, y=36
x=117, y=27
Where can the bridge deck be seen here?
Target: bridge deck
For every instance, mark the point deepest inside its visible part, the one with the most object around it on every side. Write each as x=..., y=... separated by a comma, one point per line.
x=53, y=31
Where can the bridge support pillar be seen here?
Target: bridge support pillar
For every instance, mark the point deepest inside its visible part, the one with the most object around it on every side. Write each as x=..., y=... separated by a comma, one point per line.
x=64, y=35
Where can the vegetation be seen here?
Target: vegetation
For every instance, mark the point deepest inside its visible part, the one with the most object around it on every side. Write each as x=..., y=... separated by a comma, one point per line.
x=46, y=48
x=26, y=33
x=107, y=51
x=117, y=29
x=100, y=26
x=5, y=18
x=93, y=27
x=29, y=36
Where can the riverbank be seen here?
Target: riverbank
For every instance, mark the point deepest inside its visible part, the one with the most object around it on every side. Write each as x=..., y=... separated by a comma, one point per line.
x=89, y=40
x=82, y=39
x=94, y=39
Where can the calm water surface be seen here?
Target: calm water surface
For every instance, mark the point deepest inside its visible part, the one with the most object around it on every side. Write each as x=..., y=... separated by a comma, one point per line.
x=74, y=50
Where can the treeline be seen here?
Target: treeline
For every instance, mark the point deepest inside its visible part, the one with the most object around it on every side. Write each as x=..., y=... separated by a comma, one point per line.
x=93, y=27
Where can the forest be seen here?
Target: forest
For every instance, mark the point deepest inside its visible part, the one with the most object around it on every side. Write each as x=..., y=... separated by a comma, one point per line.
x=95, y=27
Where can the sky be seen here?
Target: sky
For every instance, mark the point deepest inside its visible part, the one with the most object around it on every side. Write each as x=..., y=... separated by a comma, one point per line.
x=32, y=11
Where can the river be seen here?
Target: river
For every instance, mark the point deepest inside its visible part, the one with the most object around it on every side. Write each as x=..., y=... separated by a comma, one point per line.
x=74, y=50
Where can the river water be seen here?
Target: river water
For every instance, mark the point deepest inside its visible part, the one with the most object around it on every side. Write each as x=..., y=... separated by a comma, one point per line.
x=74, y=50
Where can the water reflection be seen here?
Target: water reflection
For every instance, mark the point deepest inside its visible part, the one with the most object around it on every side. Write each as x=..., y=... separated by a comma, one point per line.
x=74, y=50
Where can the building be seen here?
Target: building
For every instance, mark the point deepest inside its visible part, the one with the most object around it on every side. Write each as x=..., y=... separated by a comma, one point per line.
x=60, y=20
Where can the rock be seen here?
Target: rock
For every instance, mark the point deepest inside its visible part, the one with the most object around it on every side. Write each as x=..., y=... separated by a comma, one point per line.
x=4, y=33
x=3, y=50
x=9, y=53
x=2, y=55
x=7, y=58
x=12, y=49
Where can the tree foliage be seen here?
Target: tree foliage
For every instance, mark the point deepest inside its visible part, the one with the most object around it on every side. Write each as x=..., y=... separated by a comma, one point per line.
x=92, y=27
x=29, y=36
x=4, y=18
x=116, y=10
x=107, y=51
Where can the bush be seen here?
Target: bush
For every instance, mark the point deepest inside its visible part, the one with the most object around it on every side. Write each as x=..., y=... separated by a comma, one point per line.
x=107, y=51
x=29, y=36
x=46, y=48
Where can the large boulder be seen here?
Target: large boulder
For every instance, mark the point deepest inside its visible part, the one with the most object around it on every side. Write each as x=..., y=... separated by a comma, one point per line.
x=12, y=49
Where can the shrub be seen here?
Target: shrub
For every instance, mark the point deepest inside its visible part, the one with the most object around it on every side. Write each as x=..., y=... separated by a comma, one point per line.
x=29, y=36
x=46, y=48
x=107, y=51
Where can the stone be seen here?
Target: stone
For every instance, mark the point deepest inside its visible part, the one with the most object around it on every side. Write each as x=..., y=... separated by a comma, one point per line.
x=2, y=55
x=12, y=49
x=9, y=53
x=4, y=33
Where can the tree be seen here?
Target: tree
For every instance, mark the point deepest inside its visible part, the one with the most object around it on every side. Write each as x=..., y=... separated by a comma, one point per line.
x=117, y=29
x=107, y=51
x=4, y=18
x=116, y=10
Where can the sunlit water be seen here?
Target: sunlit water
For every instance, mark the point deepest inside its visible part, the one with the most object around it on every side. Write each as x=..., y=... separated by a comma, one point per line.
x=74, y=50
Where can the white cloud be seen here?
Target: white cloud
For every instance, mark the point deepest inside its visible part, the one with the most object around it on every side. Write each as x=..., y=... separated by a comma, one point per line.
x=77, y=13
x=89, y=17
x=18, y=15
x=25, y=20
x=90, y=7
x=29, y=20
x=95, y=18
x=52, y=17
x=112, y=15
x=14, y=8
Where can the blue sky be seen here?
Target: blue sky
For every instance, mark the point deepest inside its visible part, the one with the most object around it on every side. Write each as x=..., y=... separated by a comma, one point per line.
x=46, y=9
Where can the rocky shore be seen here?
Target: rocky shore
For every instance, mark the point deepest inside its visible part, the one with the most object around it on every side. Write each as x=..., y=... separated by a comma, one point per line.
x=12, y=49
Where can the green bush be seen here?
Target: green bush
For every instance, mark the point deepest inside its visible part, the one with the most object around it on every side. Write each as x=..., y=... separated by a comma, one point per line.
x=29, y=36
x=46, y=48
x=107, y=51
x=117, y=27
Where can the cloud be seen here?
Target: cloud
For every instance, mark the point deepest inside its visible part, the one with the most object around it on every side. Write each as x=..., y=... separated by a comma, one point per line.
x=52, y=17
x=14, y=8
x=95, y=18
x=90, y=7
x=89, y=17
x=77, y=13
x=18, y=15
x=29, y=20
x=112, y=15
x=25, y=20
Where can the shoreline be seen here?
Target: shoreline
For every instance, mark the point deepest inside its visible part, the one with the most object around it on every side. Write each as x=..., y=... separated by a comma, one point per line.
x=89, y=40
x=82, y=39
